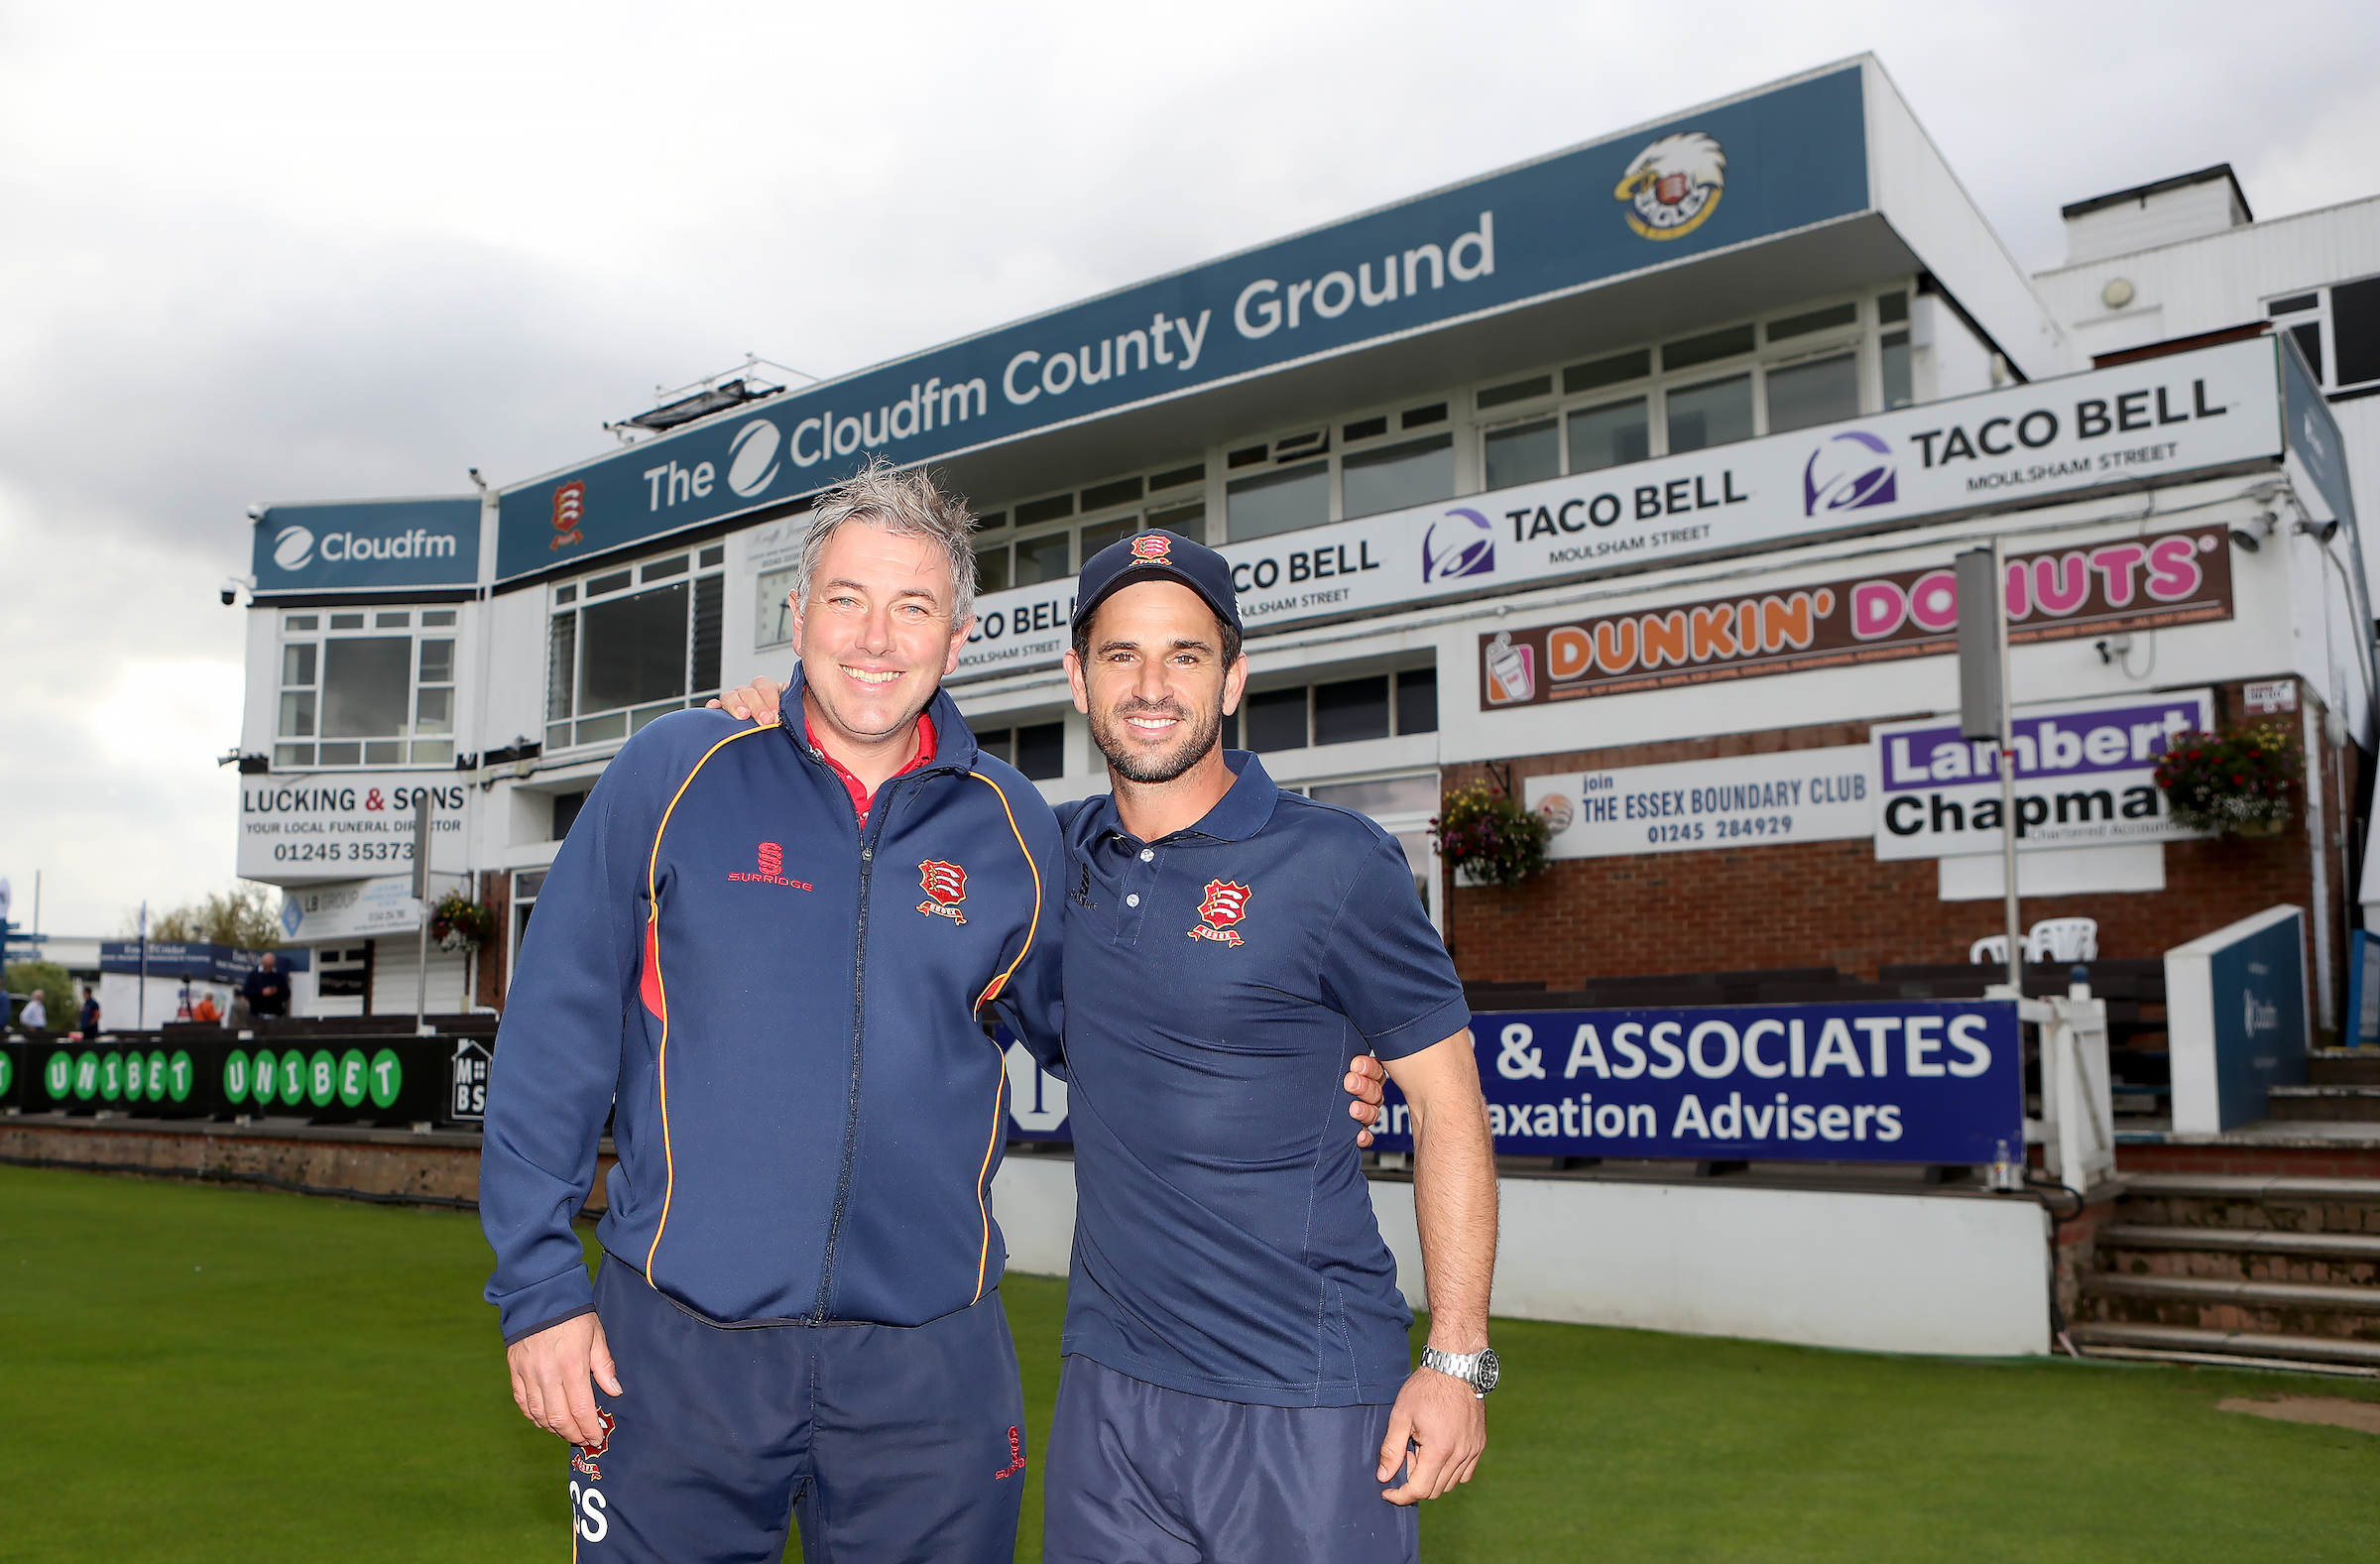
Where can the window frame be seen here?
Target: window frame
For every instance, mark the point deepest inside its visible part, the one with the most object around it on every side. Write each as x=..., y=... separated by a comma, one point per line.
x=415, y=749
x=701, y=570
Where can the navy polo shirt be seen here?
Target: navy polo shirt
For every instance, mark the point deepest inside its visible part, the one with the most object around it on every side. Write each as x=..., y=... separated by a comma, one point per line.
x=1218, y=983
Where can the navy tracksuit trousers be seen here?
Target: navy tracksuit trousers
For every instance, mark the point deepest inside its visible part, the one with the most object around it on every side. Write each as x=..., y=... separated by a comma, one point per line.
x=887, y=1444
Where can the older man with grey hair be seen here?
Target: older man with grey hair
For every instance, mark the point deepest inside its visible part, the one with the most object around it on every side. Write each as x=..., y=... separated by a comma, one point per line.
x=772, y=953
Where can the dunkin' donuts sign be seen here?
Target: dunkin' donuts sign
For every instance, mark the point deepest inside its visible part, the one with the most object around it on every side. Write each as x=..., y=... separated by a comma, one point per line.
x=2139, y=583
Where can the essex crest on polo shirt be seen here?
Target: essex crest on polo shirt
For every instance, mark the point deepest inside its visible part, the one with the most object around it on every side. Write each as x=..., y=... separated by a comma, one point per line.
x=1226, y=904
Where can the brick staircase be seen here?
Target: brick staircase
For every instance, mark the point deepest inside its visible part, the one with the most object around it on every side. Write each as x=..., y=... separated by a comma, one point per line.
x=2342, y=1085
x=2277, y=1271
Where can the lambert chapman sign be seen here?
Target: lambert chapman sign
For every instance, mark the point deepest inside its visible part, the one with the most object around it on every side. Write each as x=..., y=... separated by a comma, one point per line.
x=2139, y=583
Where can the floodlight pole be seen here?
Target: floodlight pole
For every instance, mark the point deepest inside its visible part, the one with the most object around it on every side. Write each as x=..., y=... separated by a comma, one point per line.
x=2008, y=821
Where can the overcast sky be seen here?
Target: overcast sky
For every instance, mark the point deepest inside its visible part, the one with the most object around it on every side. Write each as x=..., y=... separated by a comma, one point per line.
x=256, y=252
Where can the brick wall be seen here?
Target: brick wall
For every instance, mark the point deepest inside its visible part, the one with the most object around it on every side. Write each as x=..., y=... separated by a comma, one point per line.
x=1833, y=903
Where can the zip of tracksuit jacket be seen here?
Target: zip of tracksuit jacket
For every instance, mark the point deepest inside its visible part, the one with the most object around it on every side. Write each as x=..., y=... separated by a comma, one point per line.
x=788, y=1013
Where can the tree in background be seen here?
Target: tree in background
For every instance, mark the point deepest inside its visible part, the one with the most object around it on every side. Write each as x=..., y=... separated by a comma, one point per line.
x=248, y=917
x=57, y=992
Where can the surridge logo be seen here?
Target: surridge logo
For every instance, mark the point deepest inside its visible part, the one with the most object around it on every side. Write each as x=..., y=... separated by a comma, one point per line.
x=1226, y=904
x=569, y=509
x=945, y=886
x=1461, y=543
x=769, y=862
x=1673, y=185
x=1849, y=472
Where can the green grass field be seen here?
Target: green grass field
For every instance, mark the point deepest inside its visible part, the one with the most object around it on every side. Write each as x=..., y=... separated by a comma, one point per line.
x=201, y=1374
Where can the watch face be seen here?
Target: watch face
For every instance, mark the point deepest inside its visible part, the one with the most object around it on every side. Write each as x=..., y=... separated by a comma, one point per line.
x=1492, y=1369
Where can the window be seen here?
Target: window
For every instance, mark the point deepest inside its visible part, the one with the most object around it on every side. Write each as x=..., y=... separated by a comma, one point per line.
x=992, y=568
x=1823, y=390
x=774, y=616
x=1041, y=751
x=1283, y=501
x=1524, y=453
x=1184, y=520
x=1617, y=370
x=343, y=974
x=1340, y=711
x=1396, y=476
x=565, y=813
x=367, y=699
x=1352, y=710
x=1715, y=413
x=1708, y=348
x=1892, y=313
x=1099, y=537
x=621, y=651
x=1610, y=435
x=1041, y=559
x=1277, y=720
x=2343, y=320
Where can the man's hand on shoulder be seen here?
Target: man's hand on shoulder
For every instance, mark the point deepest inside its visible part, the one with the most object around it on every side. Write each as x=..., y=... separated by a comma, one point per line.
x=551, y=1371
x=1449, y=1421
x=1364, y=1083
x=753, y=702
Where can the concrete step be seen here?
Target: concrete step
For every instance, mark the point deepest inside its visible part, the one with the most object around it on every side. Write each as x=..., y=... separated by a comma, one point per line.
x=2208, y=1290
x=2330, y=1104
x=2246, y=1187
x=2343, y=1067
x=2358, y=1246
x=2266, y=1351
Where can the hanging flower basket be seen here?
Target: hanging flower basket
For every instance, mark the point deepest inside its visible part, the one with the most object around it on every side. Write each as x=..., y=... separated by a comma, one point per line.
x=458, y=923
x=2242, y=782
x=1485, y=835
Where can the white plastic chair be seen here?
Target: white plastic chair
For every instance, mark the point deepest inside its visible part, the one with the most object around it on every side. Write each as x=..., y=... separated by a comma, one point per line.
x=1990, y=950
x=2065, y=939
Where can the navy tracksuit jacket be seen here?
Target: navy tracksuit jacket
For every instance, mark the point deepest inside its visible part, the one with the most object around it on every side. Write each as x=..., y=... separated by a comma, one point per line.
x=788, y=1010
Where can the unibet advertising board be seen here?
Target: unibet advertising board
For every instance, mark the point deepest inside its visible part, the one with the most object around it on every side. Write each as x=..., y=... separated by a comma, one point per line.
x=1737, y=800
x=2084, y=778
x=2135, y=424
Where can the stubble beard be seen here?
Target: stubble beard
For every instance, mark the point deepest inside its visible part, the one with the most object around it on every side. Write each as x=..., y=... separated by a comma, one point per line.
x=1205, y=729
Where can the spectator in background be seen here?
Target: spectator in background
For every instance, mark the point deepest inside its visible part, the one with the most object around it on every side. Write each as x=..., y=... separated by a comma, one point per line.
x=90, y=1012
x=205, y=1011
x=267, y=990
x=34, y=1019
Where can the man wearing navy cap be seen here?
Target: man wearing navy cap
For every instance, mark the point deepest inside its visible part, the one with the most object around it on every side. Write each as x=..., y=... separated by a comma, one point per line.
x=1238, y=1383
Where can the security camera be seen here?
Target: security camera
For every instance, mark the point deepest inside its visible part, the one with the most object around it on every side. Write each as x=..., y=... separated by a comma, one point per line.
x=2247, y=539
x=2320, y=532
x=230, y=596
x=255, y=513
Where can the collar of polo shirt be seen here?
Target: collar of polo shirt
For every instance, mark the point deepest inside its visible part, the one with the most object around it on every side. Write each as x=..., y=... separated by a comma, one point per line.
x=1237, y=815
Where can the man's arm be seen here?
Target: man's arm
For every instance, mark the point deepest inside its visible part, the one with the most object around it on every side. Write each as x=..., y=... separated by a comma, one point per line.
x=1454, y=1204
x=555, y=1070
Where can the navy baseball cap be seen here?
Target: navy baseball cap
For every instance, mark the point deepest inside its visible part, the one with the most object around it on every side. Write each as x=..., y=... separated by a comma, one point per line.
x=1156, y=554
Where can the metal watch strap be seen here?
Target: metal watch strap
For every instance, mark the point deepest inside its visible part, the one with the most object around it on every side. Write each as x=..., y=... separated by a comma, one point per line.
x=1462, y=1366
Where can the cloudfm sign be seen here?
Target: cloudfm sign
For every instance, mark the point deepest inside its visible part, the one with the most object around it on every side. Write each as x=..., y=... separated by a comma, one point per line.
x=367, y=544
x=1789, y=158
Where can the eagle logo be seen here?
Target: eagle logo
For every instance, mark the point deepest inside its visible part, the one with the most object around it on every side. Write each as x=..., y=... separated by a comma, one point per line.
x=1673, y=185
x=1226, y=904
x=582, y=1457
x=945, y=886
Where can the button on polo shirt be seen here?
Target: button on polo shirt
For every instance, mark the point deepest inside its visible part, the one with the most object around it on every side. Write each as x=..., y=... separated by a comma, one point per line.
x=1219, y=981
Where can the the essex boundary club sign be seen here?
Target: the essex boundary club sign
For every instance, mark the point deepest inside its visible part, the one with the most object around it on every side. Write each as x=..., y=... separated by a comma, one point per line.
x=2132, y=584
x=1910, y=1081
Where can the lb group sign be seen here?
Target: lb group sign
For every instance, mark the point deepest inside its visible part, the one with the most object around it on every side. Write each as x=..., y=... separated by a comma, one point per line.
x=1938, y=1081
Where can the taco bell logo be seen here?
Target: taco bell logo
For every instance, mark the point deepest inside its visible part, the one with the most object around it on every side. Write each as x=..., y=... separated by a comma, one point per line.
x=1460, y=542
x=1849, y=472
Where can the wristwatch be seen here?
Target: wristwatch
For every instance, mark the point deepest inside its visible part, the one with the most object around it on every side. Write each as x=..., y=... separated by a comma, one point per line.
x=1479, y=1369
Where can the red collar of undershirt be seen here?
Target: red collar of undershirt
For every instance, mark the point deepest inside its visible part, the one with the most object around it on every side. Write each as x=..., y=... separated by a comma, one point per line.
x=861, y=798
